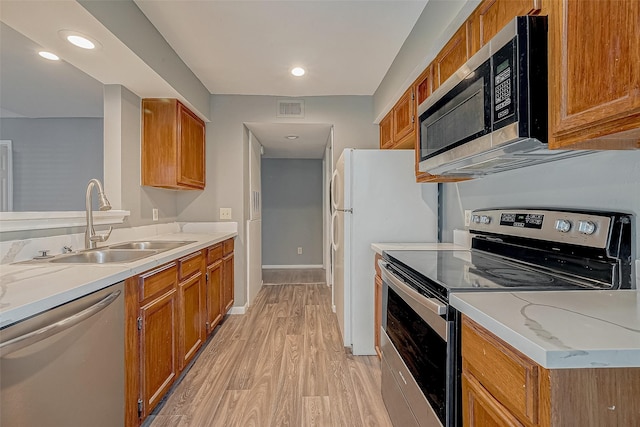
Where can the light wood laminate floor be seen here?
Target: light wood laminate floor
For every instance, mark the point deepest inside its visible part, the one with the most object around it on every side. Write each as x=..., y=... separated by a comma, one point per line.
x=280, y=364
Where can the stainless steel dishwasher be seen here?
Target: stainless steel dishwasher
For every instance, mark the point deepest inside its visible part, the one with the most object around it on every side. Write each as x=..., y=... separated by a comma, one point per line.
x=65, y=367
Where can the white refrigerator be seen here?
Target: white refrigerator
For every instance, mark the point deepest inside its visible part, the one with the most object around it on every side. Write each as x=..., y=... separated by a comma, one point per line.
x=374, y=199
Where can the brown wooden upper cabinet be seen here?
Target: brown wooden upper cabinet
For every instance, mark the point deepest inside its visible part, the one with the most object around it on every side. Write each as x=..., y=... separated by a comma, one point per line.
x=386, y=131
x=397, y=128
x=492, y=15
x=452, y=56
x=594, y=74
x=173, y=145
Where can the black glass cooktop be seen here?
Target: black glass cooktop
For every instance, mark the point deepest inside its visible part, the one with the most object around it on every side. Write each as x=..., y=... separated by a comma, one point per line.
x=473, y=270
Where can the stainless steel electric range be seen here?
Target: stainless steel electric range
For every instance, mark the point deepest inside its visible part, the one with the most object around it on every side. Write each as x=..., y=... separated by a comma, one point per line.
x=515, y=249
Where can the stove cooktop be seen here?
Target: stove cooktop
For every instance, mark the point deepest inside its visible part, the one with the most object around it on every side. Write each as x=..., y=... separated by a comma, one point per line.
x=459, y=271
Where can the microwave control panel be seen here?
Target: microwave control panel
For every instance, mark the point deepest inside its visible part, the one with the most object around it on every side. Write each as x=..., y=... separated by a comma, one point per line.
x=504, y=72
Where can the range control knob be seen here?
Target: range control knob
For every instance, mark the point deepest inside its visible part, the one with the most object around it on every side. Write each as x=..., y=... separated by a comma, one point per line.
x=485, y=219
x=586, y=227
x=475, y=219
x=563, y=225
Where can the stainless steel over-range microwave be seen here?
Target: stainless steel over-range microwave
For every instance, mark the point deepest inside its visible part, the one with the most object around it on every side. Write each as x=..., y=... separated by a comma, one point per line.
x=492, y=114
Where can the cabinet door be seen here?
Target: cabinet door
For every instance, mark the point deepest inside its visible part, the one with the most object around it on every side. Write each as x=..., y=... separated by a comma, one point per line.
x=227, y=283
x=214, y=290
x=191, y=303
x=594, y=71
x=403, y=120
x=158, y=349
x=492, y=15
x=191, y=149
x=452, y=56
x=481, y=409
x=386, y=131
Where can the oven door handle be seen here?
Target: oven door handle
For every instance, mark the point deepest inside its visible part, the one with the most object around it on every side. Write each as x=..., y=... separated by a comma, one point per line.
x=431, y=304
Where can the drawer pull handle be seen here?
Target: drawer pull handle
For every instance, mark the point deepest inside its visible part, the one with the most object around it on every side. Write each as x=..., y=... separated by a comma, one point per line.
x=402, y=376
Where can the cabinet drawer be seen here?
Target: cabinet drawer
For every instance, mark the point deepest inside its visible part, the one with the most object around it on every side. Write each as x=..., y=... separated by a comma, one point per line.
x=214, y=253
x=189, y=265
x=157, y=281
x=228, y=247
x=506, y=373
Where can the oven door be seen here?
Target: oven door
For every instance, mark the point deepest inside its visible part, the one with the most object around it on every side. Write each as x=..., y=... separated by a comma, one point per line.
x=418, y=353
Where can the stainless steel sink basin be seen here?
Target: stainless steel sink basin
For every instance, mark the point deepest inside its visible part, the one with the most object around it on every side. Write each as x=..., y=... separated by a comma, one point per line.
x=103, y=256
x=151, y=244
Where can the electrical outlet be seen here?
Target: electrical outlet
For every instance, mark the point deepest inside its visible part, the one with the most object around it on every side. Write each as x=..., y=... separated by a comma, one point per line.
x=225, y=213
x=154, y=214
x=467, y=217
x=299, y=250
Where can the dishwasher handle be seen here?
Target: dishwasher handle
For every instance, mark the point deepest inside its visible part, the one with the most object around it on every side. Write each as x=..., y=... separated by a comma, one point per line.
x=33, y=337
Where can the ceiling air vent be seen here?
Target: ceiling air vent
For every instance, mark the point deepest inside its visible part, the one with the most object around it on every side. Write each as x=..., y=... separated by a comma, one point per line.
x=290, y=108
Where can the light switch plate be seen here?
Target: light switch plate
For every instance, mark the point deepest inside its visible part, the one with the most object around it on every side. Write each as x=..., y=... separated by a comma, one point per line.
x=225, y=213
x=154, y=213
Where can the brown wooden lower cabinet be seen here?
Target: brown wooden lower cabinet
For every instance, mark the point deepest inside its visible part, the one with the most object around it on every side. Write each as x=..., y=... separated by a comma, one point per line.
x=227, y=277
x=192, y=328
x=213, y=295
x=503, y=387
x=378, y=306
x=159, y=366
x=170, y=310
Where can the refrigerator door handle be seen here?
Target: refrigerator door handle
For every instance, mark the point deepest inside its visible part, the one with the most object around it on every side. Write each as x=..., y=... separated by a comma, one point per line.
x=334, y=217
x=332, y=186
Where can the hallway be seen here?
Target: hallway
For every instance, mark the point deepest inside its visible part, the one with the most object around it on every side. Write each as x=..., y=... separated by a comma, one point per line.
x=280, y=364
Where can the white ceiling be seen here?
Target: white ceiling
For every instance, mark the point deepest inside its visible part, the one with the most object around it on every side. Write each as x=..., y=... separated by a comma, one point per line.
x=249, y=47
x=232, y=46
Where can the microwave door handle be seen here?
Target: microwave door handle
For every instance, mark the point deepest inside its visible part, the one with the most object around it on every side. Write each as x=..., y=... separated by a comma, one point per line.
x=431, y=304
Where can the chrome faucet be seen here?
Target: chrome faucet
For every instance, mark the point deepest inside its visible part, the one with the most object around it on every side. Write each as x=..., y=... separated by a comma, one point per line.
x=90, y=236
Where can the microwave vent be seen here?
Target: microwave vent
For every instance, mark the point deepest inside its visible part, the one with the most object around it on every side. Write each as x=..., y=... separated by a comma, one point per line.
x=291, y=108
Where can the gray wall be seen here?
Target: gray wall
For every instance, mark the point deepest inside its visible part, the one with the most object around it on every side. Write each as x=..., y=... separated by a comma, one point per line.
x=436, y=24
x=227, y=155
x=122, y=142
x=291, y=211
x=53, y=160
x=127, y=22
x=605, y=180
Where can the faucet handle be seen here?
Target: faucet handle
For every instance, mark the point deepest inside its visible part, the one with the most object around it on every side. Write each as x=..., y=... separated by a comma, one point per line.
x=102, y=237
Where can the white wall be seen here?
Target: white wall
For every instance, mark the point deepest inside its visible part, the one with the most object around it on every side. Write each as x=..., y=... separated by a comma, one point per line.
x=53, y=160
x=227, y=155
x=606, y=180
x=292, y=212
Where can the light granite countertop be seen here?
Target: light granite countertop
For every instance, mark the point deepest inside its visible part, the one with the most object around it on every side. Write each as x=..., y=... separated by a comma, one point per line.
x=562, y=329
x=27, y=289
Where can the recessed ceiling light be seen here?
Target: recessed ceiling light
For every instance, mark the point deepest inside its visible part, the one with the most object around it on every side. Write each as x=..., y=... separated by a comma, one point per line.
x=298, y=71
x=79, y=40
x=49, y=55
x=292, y=137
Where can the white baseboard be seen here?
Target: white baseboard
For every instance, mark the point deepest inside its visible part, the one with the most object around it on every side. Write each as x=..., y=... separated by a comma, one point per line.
x=291, y=267
x=238, y=310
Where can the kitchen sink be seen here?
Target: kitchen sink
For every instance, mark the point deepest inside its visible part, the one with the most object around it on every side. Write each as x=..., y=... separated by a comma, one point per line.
x=155, y=245
x=103, y=256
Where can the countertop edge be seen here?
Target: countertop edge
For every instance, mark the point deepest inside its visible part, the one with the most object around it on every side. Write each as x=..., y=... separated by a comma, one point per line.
x=124, y=271
x=549, y=358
